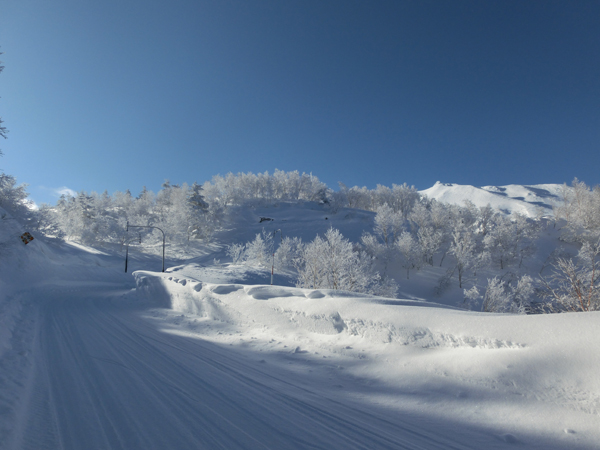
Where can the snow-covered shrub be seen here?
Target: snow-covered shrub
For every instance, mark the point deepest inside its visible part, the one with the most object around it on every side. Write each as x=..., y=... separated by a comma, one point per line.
x=236, y=252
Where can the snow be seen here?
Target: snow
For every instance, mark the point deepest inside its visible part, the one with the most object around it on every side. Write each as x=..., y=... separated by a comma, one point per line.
x=208, y=355
x=515, y=372
x=531, y=201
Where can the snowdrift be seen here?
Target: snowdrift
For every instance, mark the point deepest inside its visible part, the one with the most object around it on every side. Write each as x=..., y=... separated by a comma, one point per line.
x=522, y=373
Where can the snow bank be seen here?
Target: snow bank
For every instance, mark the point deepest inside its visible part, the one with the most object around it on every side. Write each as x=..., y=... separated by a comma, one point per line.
x=519, y=372
x=378, y=319
x=16, y=260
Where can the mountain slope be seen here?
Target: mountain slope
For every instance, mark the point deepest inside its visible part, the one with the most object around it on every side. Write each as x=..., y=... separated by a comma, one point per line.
x=529, y=200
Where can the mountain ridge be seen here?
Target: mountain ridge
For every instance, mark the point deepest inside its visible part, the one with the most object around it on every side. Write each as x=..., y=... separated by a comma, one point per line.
x=530, y=200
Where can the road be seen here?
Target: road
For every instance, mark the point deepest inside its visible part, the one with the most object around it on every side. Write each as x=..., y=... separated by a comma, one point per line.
x=106, y=378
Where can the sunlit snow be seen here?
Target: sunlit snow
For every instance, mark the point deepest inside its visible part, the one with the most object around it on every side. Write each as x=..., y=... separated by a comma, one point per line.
x=210, y=355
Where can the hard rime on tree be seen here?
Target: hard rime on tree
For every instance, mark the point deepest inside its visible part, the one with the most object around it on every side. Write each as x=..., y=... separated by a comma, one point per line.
x=331, y=262
x=410, y=251
x=574, y=285
x=13, y=197
x=463, y=249
x=580, y=211
x=501, y=296
x=475, y=237
x=263, y=189
x=184, y=212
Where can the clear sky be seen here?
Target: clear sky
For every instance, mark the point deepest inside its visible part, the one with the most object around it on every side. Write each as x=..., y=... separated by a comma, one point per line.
x=118, y=94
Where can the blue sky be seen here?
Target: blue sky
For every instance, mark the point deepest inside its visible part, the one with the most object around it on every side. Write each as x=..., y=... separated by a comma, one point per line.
x=120, y=94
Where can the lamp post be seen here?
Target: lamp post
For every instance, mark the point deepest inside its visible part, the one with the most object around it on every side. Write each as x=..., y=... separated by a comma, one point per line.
x=163, y=233
x=127, y=249
x=273, y=261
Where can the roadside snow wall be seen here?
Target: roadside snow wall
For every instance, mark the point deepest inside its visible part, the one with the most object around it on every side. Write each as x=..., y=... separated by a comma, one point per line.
x=15, y=258
x=291, y=310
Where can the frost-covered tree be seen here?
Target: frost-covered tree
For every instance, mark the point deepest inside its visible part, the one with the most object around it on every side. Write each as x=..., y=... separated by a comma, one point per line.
x=430, y=241
x=13, y=197
x=522, y=294
x=403, y=199
x=573, y=286
x=581, y=211
x=500, y=296
x=510, y=239
x=500, y=241
x=288, y=251
x=260, y=251
x=486, y=219
x=388, y=224
x=377, y=249
x=236, y=252
x=470, y=298
x=310, y=265
x=202, y=221
x=463, y=248
x=331, y=262
x=410, y=250
x=196, y=198
x=496, y=297
x=255, y=190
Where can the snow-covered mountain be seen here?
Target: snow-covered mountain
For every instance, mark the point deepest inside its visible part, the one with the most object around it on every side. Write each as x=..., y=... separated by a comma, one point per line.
x=530, y=200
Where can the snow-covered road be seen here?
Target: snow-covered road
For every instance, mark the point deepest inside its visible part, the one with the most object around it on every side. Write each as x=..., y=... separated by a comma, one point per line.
x=105, y=378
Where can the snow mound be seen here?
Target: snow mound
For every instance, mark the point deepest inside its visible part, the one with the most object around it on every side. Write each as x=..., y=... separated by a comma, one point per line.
x=515, y=371
x=325, y=312
x=529, y=200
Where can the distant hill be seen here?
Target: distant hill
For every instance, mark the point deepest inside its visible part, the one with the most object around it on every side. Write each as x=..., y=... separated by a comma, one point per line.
x=531, y=200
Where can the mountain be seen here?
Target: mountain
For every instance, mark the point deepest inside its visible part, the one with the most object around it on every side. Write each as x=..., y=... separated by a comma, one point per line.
x=529, y=200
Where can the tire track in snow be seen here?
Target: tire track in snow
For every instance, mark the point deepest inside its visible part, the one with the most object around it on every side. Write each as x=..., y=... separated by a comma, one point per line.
x=106, y=379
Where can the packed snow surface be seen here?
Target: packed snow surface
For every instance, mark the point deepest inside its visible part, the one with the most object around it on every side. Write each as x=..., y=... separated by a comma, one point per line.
x=209, y=355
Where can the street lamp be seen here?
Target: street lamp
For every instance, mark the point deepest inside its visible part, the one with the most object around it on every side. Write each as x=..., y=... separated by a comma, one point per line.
x=163, y=233
x=127, y=249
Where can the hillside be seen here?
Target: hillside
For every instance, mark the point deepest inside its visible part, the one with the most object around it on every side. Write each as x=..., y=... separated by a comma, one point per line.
x=532, y=201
